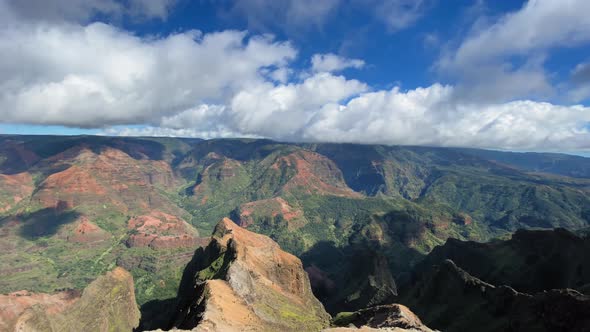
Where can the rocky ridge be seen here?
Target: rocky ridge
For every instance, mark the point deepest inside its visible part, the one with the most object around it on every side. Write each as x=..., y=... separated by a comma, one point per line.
x=530, y=261
x=391, y=317
x=450, y=299
x=159, y=230
x=243, y=281
x=107, y=304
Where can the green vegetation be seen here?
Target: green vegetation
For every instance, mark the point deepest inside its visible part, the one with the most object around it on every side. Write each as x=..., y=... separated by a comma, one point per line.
x=408, y=200
x=343, y=318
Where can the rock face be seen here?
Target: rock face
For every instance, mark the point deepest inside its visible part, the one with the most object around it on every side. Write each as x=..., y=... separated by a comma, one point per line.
x=313, y=173
x=107, y=304
x=90, y=176
x=350, y=280
x=243, y=281
x=450, y=299
x=531, y=261
x=382, y=317
x=160, y=230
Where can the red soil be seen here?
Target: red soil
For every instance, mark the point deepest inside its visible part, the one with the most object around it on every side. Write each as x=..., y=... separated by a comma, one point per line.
x=66, y=186
x=86, y=232
x=74, y=180
x=109, y=177
x=14, y=304
x=160, y=230
x=19, y=186
x=315, y=174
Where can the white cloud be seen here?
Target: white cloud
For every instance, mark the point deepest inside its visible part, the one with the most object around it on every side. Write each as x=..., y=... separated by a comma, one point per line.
x=99, y=75
x=151, y=131
x=431, y=116
x=281, y=74
x=229, y=83
x=280, y=111
x=332, y=63
x=539, y=25
x=328, y=108
x=483, y=63
x=202, y=117
x=283, y=111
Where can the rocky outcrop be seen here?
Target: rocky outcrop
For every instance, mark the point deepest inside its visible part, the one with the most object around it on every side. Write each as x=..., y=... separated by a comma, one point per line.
x=391, y=316
x=450, y=299
x=312, y=173
x=531, y=261
x=85, y=231
x=107, y=304
x=159, y=230
x=243, y=281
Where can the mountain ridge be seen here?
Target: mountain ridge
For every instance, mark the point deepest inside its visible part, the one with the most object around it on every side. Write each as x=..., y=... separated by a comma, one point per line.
x=91, y=195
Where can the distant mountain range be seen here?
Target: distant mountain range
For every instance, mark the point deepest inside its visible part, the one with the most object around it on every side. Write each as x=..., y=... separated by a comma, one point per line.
x=362, y=218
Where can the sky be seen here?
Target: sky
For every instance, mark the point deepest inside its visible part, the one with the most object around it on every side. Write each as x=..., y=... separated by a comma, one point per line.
x=511, y=75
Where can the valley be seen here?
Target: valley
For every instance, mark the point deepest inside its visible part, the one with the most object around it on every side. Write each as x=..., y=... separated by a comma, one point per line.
x=366, y=221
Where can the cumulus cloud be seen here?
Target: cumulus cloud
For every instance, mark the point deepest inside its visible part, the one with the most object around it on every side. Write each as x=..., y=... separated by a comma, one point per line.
x=483, y=61
x=284, y=111
x=232, y=83
x=422, y=116
x=538, y=25
x=431, y=116
x=332, y=63
x=281, y=111
x=98, y=75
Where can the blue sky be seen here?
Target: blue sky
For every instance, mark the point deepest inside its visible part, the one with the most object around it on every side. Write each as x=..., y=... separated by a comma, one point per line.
x=493, y=74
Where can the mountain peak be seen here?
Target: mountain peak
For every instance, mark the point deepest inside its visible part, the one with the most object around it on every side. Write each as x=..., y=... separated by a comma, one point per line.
x=267, y=288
